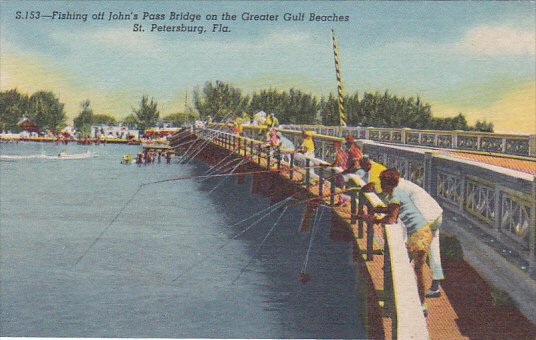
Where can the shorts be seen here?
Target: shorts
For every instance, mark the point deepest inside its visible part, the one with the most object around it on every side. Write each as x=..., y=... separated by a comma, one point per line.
x=420, y=240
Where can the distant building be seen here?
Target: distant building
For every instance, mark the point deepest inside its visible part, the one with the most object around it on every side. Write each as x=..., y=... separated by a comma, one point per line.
x=27, y=124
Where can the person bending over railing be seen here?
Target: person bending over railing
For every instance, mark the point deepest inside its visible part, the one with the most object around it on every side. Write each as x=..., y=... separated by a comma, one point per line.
x=340, y=162
x=406, y=203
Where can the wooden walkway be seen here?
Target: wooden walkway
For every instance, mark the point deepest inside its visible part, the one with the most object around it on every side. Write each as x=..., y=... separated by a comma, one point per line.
x=466, y=308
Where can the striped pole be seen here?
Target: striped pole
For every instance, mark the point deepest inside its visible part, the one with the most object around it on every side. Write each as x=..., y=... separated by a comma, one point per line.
x=342, y=115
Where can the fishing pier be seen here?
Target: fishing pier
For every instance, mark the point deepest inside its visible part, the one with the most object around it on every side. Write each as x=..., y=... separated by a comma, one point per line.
x=481, y=201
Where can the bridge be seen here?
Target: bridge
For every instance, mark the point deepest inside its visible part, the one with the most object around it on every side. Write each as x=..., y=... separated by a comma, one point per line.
x=486, y=185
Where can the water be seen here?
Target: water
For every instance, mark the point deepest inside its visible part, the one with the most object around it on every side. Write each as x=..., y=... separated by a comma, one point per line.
x=167, y=266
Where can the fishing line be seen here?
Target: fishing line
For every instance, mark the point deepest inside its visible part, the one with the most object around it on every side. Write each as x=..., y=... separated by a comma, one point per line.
x=109, y=224
x=210, y=138
x=259, y=247
x=205, y=141
x=225, y=178
x=220, y=168
x=313, y=234
x=218, y=163
x=274, y=208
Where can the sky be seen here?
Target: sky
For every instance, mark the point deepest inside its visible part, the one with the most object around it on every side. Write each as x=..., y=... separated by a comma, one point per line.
x=477, y=58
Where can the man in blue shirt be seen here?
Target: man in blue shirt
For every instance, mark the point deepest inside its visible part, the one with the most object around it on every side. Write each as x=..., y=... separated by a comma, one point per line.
x=407, y=204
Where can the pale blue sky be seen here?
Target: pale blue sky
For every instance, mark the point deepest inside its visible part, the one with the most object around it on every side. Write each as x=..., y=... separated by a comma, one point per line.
x=473, y=57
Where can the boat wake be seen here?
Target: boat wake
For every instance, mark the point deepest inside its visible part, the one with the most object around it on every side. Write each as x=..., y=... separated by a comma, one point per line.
x=61, y=156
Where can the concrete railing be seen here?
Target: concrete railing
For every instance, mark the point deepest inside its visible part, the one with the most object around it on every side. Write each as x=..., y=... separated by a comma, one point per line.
x=401, y=300
x=511, y=144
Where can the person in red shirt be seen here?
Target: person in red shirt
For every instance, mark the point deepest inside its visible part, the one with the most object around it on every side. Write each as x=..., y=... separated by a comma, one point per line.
x=341, y=159
x=353, y=150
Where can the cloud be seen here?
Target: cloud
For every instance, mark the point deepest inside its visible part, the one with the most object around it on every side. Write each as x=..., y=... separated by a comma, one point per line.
x=489, y=40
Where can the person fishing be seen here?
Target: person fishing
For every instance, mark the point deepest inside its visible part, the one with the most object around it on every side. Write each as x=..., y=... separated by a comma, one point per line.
x=271, y=121
x=340, y=162
x=369, y=171
x=422, y=217
x=352, y=149
x=307, y=147
x=286, y=146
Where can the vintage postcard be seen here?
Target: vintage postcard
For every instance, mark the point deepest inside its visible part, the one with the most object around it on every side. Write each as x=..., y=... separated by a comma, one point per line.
x=268, y=169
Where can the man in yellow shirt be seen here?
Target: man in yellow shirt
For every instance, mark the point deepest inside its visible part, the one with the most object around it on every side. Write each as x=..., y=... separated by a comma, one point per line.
x=307, y=147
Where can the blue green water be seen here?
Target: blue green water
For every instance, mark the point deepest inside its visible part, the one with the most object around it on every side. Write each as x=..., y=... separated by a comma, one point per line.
x=52, y=211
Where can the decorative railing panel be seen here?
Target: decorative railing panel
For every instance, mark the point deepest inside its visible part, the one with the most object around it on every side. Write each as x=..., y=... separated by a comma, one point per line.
x=491, y=144
x=396, y=136
x=480, y=200
x=449, y=188
x=515, y=218
x=517, y=146
x=468, y=142
x=385, y=136
x=428, y=139
x=416, y=173
x=374, y=135
x=401, y=164
x=412, y=138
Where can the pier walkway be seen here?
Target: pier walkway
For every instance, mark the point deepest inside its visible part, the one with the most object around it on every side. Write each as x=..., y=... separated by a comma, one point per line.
x=469, y=306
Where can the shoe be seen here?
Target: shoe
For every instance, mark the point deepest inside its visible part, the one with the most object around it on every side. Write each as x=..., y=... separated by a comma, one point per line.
x=425, y=309
x=433, y=293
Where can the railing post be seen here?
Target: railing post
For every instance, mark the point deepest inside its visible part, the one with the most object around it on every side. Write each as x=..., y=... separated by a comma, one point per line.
x=251, y=149
x=332, y=181
x=259, y=152
x=307, y=171
x=291, y=165
x=268, y=157
x=360, y=222
x=370, y=236
x=353, y=206
x=321, y=182
x=245, y=148
x=427, y=171
x=278, y=156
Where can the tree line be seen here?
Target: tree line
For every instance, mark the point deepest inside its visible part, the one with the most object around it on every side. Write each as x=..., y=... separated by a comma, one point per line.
x=297, y=107
x=45, y=110
x=222, y=100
